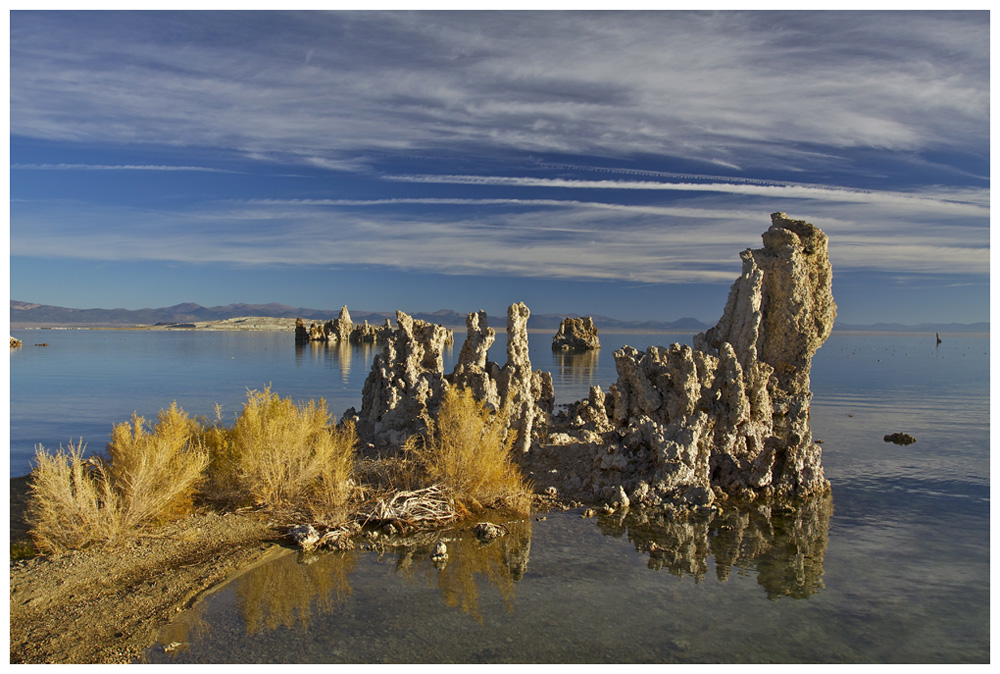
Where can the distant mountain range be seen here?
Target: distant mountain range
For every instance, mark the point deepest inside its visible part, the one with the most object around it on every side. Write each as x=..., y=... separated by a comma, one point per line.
x=28, y=315
x=923, y=327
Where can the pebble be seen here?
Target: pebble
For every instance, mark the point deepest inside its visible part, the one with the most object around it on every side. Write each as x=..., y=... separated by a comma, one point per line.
x=440, y=552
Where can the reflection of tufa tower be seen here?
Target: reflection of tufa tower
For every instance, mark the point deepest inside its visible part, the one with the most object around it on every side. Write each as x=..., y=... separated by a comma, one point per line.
x=786, y=548
x=577, y=369
x=344, y=355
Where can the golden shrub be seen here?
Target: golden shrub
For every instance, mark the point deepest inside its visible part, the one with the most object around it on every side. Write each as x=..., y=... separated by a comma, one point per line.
x=282, y=453
x=467, y=449
x=149, y=477
x=156, y=471
x=72, y=503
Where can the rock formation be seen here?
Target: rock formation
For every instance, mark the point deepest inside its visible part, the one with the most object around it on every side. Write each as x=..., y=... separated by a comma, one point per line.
x=15, y=343
x=302, y=335
x=407, y=380
x=576, y=334
x=341, y=327
x=341, y=330
x=528, y=396
x=365, y=334
x=728, y=417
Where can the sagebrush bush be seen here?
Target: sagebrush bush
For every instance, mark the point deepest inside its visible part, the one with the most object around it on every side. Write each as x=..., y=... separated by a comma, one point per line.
x=467, y=449
x=283, y=454
x=157, y=471
x=72, y=503
x=149, y=477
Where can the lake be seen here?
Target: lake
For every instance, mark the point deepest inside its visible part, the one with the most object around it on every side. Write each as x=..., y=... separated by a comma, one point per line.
x=892, y=568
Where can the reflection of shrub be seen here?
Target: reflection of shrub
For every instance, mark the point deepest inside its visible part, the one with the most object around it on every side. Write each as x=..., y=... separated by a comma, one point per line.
x=467, y=450
x=285, y=592
x=150, y=478
x=280, y=453
x=501, y=563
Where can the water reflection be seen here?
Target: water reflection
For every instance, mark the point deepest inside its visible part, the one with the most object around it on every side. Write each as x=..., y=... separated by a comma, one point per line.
x=340, y=355
x=275, y=595
x=785, y=546
x=577, y=368
x=191, y=626
x=290, y=591
x=501, y=562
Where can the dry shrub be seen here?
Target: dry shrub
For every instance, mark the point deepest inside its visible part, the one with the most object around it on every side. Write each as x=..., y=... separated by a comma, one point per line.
x=150, y=477
x=284, y=454
x=72, y=503
x=384, y=476
x=156, y=471
x=467, y=450
x=223, y=484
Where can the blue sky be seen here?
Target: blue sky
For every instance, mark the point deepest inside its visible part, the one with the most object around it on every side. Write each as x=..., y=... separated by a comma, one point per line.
x=589, y=163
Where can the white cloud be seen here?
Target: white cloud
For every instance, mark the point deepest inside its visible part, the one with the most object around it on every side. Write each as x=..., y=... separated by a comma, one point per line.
x=691, y=240
x=114, y=167
x=965, y=201
x=351, y=92
x=731, y=88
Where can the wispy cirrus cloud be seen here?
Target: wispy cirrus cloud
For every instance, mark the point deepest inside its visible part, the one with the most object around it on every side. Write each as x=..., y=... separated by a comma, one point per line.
x=115, y=167
x=735, y=89
x=695, y=241
x=648, y=146
x=965, y=201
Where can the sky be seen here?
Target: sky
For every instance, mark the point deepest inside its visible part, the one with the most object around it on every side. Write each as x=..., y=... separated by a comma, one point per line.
x=609, y=163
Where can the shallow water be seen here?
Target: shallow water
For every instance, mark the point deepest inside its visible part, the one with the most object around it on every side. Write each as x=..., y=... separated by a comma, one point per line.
x=85, y=381
x=894, y=567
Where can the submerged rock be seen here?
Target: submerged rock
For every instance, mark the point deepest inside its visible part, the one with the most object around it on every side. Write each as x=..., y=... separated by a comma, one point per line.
x=899, y=438
x=487, y=531
x=730, y=415
x=576, y=334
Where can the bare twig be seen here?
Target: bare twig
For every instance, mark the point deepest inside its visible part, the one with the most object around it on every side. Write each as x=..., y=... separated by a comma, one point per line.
x=415, y=509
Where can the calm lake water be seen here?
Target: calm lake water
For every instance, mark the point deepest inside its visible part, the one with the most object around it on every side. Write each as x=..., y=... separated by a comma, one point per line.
x=894, y=567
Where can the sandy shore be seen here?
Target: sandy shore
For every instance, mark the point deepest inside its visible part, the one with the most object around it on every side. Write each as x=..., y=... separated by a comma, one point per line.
x=106, y=605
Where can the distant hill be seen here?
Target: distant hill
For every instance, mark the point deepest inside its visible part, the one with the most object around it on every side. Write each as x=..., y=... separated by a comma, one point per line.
x=28, y=315
x=923, y=327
